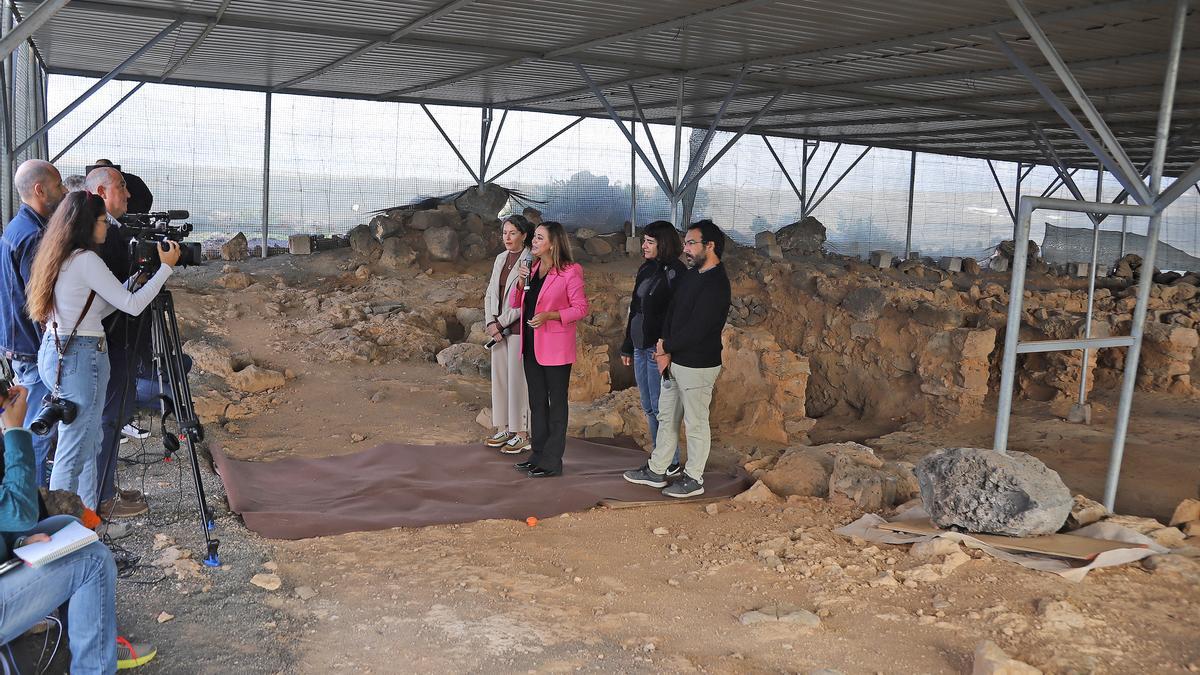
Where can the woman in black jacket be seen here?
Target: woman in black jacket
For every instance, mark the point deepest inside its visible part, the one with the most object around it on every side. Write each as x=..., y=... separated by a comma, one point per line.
x=651, y=294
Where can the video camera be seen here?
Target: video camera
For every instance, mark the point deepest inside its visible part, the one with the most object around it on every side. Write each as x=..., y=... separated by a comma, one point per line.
x=149, y=230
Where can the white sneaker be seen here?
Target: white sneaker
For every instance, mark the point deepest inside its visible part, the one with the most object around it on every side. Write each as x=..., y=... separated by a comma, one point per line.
x=515, y=445
x=497, y=439
x=134, y=432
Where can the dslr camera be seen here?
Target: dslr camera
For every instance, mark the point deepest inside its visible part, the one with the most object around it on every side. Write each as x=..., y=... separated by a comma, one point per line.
x=54, y=410
x=147, y=231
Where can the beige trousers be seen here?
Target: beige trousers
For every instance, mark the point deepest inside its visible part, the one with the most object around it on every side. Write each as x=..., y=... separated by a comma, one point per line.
x=510, y=396
x=684, y=398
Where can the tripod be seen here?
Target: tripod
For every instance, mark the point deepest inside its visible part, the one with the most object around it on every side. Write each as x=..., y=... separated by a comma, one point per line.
x=176, y=401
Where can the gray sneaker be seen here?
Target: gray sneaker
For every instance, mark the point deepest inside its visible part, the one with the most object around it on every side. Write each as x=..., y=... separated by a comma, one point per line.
x=644, y=476
x=685, y=487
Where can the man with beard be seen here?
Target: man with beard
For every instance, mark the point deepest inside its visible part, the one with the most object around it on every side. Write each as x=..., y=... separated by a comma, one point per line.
x=689, y=358
x=40, y=187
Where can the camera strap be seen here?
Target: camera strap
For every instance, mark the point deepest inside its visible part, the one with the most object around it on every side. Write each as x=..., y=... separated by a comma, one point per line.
x=61, y=348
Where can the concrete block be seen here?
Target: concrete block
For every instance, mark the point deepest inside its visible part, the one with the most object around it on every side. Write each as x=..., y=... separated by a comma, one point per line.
x=772, y=251
x=881, y=259
x=1000, y=264
x=952, y=264
x=633, y=246
x=764, y=239
x=301, y=244
x=1079, y=269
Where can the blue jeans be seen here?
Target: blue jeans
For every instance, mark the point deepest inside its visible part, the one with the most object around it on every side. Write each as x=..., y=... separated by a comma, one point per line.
x=649, y=382
x=84, y=380
x=86, y=581
x=27, y=376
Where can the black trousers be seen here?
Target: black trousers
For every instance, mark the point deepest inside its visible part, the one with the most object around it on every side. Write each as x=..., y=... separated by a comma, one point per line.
x=547, y=411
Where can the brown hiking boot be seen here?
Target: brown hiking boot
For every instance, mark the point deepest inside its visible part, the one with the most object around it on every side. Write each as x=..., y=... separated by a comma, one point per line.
x=118, y=507
x=131, y=495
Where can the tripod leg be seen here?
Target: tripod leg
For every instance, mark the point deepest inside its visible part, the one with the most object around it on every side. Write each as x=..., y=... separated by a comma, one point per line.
x=169, y=356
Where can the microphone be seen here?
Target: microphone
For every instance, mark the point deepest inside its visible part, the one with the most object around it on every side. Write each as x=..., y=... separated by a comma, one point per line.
x=527, y=258
x=179, y=214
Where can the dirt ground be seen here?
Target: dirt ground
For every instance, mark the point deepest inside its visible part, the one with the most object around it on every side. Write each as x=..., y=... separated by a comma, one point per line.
x=608, y=590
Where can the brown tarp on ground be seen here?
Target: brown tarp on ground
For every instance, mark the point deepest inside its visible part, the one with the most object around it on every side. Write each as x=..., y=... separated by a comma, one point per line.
x=395, y=485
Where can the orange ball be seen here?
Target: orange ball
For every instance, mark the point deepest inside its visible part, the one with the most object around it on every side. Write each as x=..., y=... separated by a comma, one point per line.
x=531, y=521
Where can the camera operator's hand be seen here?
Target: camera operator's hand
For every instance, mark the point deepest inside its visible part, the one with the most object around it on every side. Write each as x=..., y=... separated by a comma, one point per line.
x=170, y=256
x=15, y=406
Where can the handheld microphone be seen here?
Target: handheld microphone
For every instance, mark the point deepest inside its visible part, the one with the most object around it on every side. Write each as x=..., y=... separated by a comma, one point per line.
x=527, y=259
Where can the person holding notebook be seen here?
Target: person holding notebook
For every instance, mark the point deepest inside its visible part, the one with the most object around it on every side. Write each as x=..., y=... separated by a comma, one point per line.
x=84, y=580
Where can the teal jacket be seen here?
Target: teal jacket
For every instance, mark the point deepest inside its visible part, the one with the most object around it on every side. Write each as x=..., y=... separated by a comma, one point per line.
x=18, y=490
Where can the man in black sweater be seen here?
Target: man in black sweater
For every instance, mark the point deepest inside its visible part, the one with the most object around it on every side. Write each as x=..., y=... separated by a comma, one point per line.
x=689, y=358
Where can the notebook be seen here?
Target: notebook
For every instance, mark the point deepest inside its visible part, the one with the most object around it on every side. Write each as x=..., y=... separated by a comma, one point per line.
x=67, y=540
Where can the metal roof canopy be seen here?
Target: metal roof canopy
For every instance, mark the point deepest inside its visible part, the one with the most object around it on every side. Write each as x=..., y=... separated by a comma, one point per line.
x=915, y=75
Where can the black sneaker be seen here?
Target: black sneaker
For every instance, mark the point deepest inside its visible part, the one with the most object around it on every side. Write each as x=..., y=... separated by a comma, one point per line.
x=674, y=470
x=524, y=466
x=685, y=487
x=644, y=476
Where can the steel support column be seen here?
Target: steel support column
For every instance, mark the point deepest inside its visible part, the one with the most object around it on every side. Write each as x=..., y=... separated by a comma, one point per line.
x=817, y=201
x=6, y=170
x=676, y=193
x=912, y=184
x=1091, y=296
x=632, y=186
x=783, y=168
x=1000, y=187
x=612, y=114
x=1146, y=280
x=695, y=179
x=266, y=176
x=485, y=130
x=821, y=178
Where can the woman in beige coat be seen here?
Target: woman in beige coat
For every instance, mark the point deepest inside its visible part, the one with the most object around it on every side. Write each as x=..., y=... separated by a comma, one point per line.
x=510, y=397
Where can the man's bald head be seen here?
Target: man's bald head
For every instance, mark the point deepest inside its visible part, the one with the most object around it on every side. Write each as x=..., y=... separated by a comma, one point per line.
x=40, y=186
x=110, y=185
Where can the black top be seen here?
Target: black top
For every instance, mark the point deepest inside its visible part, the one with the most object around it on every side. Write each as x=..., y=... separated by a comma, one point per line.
x=695, y=318
x=122, y=330
x=141, y=200
x=528, y=309
x=652, y=292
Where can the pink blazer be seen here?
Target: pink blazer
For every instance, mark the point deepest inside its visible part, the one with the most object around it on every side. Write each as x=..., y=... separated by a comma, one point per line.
x=562, y=291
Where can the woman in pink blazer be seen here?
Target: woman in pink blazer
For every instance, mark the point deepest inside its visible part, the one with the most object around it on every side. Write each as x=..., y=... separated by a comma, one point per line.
x=551, y=300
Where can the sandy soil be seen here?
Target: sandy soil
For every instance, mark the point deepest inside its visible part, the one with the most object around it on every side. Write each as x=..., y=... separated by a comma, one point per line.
x=600, y=591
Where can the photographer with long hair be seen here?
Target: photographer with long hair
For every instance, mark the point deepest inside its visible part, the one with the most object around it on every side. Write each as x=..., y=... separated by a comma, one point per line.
x=510, y=398
x=70, y=291
x=551, y=298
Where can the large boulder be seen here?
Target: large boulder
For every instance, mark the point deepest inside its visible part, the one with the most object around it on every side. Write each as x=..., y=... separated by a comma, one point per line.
x=442, y=243
x=387, y=225
x=397, y=253
x=803, y=236
x=236, y=248
x=985, y=491
x=466, y=358
x=254, y=379
x=363, y=241
x=486, y=202
x=432, y=219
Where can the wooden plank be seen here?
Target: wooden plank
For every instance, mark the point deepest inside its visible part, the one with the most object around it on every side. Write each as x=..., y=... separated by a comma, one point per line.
x=620, y=504
x=1059, y=545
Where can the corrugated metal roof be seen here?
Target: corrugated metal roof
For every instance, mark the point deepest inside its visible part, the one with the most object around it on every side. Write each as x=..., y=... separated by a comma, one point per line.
x=920, y=74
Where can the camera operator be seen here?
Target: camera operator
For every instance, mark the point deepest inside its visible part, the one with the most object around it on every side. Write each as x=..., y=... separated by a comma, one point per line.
x=41, y=189
x=70, y=291
x=85, y=580
x=141, y=199
x=128, y=341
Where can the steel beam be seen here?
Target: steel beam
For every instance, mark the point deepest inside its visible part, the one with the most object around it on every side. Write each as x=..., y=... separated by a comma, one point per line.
x=662, y=166
x=821, y=178
x=783, y=168
x=676, y=193
x=695, y=179
x=1004, y=195
x=1124, y=168
x=1058, y=165
x=693, y=165
x=539, y=146
x=103, y=116
x=612, y=114
x=446, y=137
x=404, y=30
x=912, y=184
x=1181, y=185
x=1091, y=297
x=495, y=141
x=935, y=37
x=266, y=176
x=1114, y=165
x=817, y=202
x=485, y=130
x=25, y=30
x=96, y=87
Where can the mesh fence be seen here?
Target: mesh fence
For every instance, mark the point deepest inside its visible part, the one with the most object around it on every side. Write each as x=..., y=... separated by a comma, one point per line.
x=333, y=161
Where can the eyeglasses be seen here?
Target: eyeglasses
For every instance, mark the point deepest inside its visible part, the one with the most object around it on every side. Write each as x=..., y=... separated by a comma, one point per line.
x=692, y=242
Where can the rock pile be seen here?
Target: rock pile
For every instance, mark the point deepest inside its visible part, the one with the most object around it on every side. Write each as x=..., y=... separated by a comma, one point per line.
x=845, y=470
